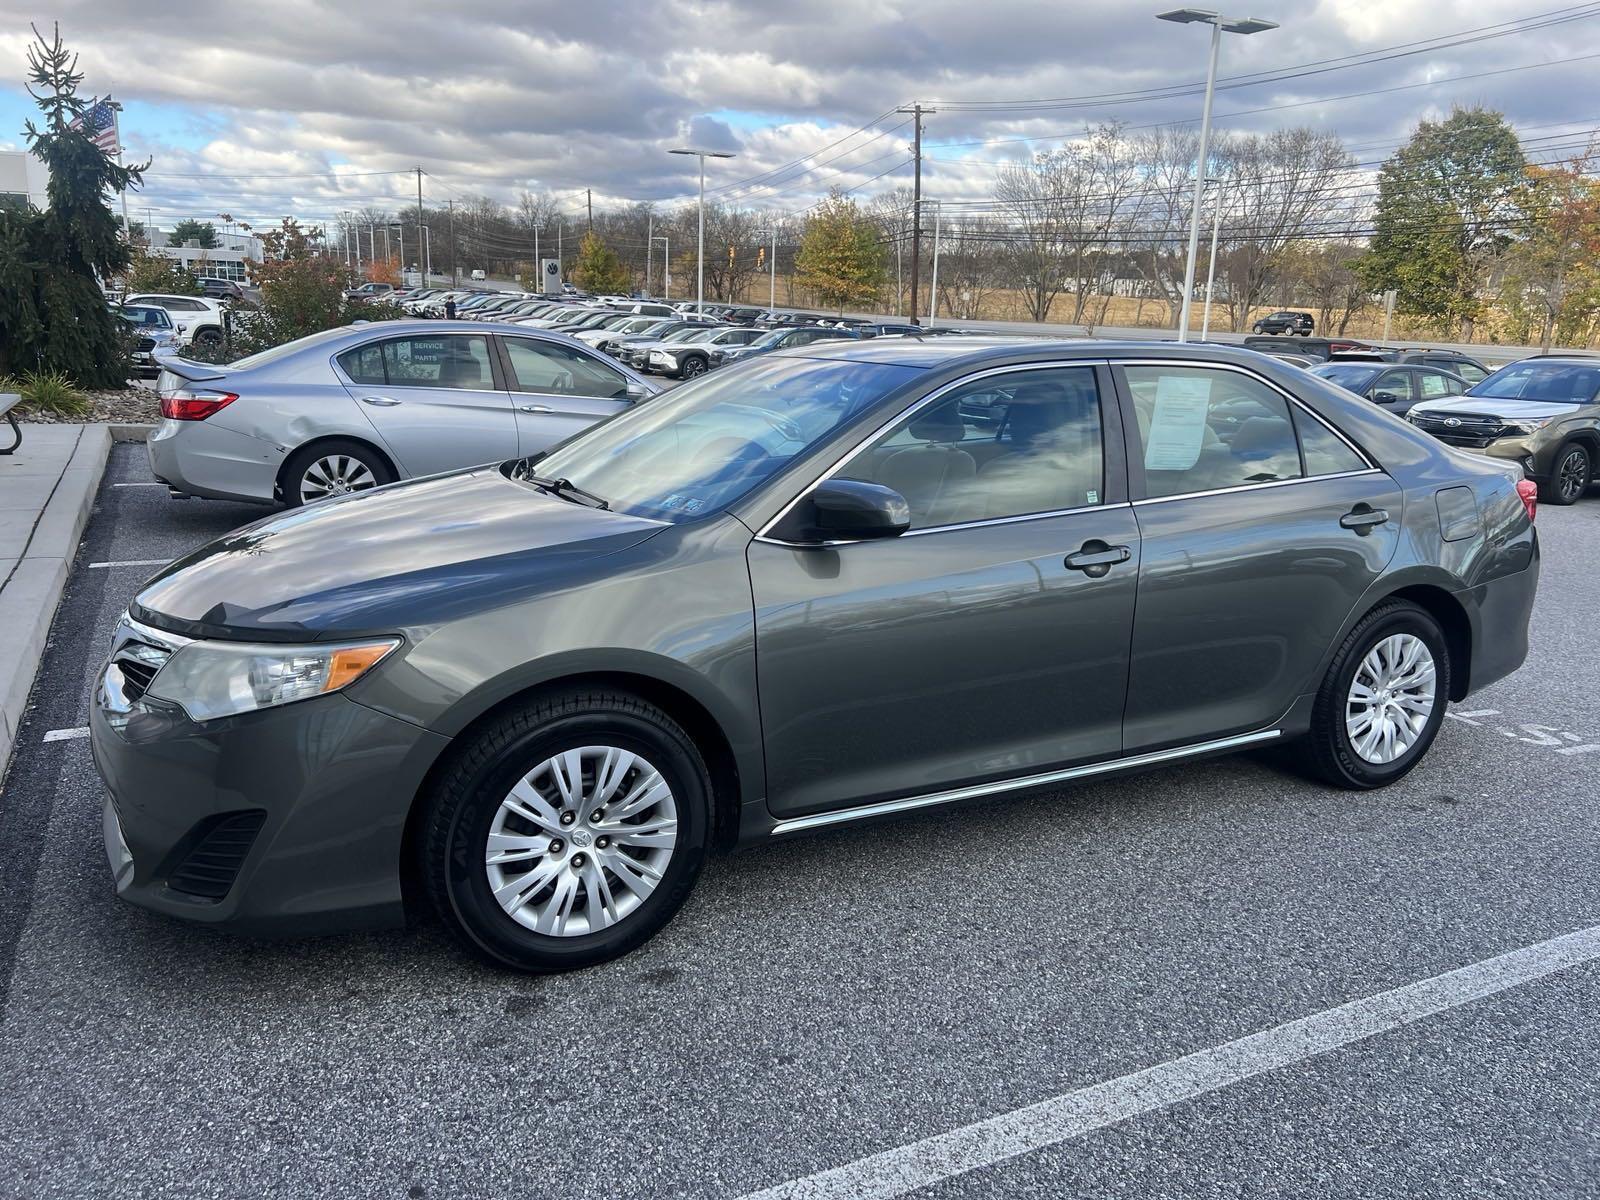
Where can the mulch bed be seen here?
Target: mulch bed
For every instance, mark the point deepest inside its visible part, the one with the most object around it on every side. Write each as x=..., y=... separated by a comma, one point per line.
x=129, y=406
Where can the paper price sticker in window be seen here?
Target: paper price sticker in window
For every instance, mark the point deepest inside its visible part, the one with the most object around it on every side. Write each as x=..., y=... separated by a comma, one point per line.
x=1178, y=424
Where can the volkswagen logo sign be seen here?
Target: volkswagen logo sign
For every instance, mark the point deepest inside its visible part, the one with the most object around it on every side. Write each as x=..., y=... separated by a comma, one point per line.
x=1453, y=422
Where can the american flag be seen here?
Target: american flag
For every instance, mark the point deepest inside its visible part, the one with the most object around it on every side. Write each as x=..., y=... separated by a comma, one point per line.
x=100, y=123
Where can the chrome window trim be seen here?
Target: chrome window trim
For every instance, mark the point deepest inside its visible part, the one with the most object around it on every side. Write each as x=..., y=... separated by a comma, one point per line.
x=764, y=535
x=1254, y=487
x=1262, y=379
x=1018, y=783
x=1016, y=520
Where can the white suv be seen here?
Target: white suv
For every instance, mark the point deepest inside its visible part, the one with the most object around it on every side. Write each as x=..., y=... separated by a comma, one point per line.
x=197, y=320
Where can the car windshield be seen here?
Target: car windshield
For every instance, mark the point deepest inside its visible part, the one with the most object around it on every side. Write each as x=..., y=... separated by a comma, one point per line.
x=698, y=449
x=767, y=341
x=684, y=335
x=1568, y=383
x=1348, y=375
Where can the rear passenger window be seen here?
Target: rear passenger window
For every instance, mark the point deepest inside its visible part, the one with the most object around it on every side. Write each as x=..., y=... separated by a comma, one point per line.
x=1202, y=429
x=364, y=364
x=1005, y=446
x=1325, y=452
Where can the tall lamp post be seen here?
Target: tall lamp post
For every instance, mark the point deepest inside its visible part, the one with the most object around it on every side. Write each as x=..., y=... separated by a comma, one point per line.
x=666, y=264
x=1211, y=270
x=1219, y=24
x=700, y=281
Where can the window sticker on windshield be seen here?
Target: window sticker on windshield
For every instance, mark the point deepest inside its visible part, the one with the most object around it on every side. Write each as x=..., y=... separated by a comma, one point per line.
x=1178, y=425
x=688, y=504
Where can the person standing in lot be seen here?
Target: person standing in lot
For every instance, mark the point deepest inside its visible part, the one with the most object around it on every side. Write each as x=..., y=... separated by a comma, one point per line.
x=450, y=309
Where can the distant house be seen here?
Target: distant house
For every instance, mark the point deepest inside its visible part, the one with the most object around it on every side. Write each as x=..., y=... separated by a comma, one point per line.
x=230, y=258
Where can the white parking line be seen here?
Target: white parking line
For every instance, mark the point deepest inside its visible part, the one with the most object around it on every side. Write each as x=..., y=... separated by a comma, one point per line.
x=149, y=483
x=134, y=562
x=1551, y=737
x=66, y=735
x=946, y=1155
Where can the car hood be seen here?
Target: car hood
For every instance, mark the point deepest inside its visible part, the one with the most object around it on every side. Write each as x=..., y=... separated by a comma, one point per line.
x=405, y=556
x=1511, y=410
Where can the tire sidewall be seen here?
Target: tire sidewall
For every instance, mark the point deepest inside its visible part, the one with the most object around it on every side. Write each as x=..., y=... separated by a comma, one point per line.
x=1567, y=452
x=302, y=459
x=1406, y=618
x=479, y=914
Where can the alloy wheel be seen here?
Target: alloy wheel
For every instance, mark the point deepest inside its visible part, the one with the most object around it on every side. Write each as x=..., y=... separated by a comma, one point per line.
x=1573, y=474
x=1391, y=698
x=693, y=367
x=335, y=475
x=581, y=841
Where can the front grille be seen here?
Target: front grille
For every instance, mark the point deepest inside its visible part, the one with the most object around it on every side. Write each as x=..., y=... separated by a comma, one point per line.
x=144, y=345
x=217, y=852
x=137, y=678
x=1462, y=429
x=138, y=661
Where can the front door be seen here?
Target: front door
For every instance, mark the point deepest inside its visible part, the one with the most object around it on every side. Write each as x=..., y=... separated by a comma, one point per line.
x=559, y=390
x=434, y=400
x=991, y=640
x=1261, y=530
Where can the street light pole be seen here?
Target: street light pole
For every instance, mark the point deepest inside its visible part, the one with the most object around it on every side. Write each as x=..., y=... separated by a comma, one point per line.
x=666, y=263
x=1219, y=24
x=933, y=289
x=700, y=265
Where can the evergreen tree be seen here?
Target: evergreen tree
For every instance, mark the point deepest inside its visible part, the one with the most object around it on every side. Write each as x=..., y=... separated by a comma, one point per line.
x=53, y=312
x=841, y=256
x=189, y=230
x=599, y=269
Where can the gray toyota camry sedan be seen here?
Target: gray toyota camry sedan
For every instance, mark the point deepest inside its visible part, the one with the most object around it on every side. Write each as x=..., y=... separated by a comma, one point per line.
x=843, y=583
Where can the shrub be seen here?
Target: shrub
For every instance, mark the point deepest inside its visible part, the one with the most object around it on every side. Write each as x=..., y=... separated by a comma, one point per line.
x=48, y=392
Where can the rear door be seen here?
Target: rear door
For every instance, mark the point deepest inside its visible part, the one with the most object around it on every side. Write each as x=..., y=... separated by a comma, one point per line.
x=1261, y=528
x=435, y=399
x=558, y=390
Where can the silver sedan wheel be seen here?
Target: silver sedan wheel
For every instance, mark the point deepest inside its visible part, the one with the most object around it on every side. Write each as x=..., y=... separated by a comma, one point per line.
x=1391, y=698
x=581, y=841
x=335, y=475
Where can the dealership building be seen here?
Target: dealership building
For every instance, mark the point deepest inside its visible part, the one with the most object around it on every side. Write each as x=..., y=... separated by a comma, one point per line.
x=23, y=177
x=231, y=258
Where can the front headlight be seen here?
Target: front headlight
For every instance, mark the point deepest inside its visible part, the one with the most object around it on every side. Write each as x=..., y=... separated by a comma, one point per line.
x=1529, y=426
x=222, y=679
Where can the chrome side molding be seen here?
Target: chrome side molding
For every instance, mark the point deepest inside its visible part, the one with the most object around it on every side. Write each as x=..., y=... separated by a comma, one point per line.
x=1021, y=782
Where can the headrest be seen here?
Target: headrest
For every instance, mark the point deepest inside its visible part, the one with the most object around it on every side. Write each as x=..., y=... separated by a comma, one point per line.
x=1258, y=434
x=939, y=423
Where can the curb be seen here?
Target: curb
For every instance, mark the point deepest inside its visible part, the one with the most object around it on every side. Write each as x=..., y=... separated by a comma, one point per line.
x=30, y=595
x=129, y=433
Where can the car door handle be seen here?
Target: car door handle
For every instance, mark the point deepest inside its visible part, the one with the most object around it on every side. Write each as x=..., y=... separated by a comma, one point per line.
x=1363, y=518
x=535, y=408
x=1096, y=558
x=379, y=401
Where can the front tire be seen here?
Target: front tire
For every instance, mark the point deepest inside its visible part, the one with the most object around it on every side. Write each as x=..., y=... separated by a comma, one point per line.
x=692, y=368
x=1570, y=477
x=568, y=832
x=1383, y=699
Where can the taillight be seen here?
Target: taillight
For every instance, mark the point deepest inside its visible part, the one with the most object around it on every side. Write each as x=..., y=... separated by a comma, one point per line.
x=184, y=404
x=1528, y=490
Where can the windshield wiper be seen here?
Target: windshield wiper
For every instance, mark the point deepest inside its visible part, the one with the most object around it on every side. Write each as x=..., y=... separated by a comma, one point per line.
x=567, y=490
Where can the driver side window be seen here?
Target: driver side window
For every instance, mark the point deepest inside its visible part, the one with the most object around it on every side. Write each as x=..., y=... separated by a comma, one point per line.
x=1006, y=445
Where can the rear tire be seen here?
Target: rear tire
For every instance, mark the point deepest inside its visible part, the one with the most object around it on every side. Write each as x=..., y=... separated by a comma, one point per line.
x=1570, y=476
x=1342, y=757
x=567, y=896
x=332, y=468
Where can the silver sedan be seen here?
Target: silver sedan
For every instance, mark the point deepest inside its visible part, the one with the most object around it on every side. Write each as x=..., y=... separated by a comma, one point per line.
x=353, y=408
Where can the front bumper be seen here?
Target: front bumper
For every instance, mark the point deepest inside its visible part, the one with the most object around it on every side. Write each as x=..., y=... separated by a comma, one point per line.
x=285, y=821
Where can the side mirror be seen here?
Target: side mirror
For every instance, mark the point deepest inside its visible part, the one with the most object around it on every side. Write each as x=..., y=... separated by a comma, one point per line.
x=1385, y=398
x=850, y=510
x=640, y=391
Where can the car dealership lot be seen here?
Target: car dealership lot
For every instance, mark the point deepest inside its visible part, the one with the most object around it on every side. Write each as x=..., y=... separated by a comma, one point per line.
x=843, y=995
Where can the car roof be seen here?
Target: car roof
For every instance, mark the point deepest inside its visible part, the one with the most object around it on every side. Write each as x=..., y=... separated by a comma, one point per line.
x=976, y=350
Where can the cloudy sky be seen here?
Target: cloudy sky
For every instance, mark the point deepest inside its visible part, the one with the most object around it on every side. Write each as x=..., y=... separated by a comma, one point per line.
x=311, y=107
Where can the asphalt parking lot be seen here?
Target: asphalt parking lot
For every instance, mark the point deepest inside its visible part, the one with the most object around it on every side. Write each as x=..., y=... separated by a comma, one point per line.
x=832, y=998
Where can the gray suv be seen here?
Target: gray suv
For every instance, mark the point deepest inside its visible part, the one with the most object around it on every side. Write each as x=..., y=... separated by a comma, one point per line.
x=800, y=593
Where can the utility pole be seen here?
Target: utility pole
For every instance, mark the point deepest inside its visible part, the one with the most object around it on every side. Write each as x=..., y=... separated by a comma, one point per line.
x=588, y=199
x=772, y=266
x=917, y=113
x=424, y=267
x=455, y=268
x=649, y=249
